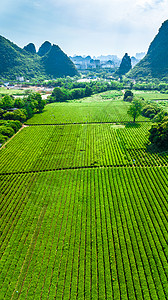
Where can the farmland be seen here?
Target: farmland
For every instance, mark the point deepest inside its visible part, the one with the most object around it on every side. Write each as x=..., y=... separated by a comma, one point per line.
x=57, y=147
x=94, y=109
x=83, y=206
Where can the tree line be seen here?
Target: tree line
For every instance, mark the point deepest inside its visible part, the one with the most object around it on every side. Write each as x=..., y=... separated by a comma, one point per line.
x=81, y=90
x=158, y=134
x=15, y=111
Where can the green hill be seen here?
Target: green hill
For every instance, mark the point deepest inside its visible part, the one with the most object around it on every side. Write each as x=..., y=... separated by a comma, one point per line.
x=15, y=62
x=61, y=65
x=30, y=48
x=44, y=48
x=155, y=63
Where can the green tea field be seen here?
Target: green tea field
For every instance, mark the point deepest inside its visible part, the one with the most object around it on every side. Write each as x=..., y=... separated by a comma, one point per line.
x=83, y=206
x=95, y=109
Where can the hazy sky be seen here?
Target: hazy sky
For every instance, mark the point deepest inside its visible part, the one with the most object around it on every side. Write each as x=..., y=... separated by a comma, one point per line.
x=84, y=27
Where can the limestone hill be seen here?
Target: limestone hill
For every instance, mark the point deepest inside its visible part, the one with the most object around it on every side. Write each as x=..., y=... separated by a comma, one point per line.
x=49, y=62
x=155, y=63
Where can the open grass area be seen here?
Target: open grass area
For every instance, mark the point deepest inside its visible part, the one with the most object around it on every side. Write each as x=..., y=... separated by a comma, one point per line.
x=83, y=207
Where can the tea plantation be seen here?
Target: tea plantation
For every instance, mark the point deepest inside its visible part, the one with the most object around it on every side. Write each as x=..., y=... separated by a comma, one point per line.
x=83, y=206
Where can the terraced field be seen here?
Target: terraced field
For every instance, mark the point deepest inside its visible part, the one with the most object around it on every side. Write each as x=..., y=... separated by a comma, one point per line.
x=83, y=212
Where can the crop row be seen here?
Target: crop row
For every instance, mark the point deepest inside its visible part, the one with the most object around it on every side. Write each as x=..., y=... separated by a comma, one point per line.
x=39, y=148
x=86, y=234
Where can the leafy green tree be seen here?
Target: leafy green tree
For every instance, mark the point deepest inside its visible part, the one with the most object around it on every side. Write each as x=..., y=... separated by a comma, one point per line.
x=115, y=85
x=159, y=116
x=36, y=102
x=6, y=131
x=15, y=115
x=19, y=103
x=58, y=95
x=6, y=102
x=150, y=110
x=28, y=110
x=77, y=93
x=135, y=109
x=128, y=96
x=159, y=134
x=2, y=111
x=88, y=91
x=19, y=115
x=3, y=138
x=8, y=116
x=40, y=102
x=16, y=125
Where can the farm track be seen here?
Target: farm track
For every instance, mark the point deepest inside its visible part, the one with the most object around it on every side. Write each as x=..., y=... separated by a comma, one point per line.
x=86, y=123
x=83, y=167
x=23, y=126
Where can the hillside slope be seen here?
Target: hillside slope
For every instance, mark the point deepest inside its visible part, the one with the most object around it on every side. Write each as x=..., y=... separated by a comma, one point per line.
x=57, y=63
x=155, y=63
x=15, y=62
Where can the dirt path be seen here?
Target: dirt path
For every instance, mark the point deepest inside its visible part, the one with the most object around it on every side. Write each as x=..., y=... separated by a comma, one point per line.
x=83, y=167
x=23, y=126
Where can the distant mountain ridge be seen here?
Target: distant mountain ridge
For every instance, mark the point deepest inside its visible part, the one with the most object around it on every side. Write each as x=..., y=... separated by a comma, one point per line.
x=155, y=62
x=50, y=61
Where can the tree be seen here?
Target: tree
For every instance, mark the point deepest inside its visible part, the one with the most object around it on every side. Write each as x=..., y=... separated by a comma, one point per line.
x=135, y=109
x=151, y=110
x=6, y=102
x=15, y=115
x=16, y=125
x=8, y=116
x=19, y=115
x=159, y=134
x=6, y=131
x=128, y=96
x=19, y=103
x=40, y=102
x=77, y=93
x=88, y=91
x=58, y=95
x=2, y=111
x=36, y=102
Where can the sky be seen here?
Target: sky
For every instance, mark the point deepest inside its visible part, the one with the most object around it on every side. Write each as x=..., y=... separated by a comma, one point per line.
x=88, y=27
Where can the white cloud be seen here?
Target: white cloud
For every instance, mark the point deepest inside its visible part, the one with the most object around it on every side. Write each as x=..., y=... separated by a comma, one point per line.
x=149, y=3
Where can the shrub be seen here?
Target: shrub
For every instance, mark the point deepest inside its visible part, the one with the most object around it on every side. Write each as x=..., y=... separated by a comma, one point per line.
x=150, y=111
x=3, y=138
x=8, y=116
x=19, y=115
x=8, y=131
x=16, y=125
